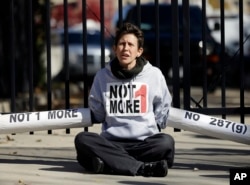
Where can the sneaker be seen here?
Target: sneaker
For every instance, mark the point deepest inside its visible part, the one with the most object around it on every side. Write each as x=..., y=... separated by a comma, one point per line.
x=98, y=165
x=154, y=169
x=170, y=164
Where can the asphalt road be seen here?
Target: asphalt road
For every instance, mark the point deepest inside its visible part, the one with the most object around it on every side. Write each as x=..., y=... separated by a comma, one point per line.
x=40, y=159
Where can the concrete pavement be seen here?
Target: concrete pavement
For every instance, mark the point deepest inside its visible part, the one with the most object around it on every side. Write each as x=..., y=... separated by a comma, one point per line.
x=50, y=159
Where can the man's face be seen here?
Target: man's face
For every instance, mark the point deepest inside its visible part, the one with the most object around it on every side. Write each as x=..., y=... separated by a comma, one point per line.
x=127, y=50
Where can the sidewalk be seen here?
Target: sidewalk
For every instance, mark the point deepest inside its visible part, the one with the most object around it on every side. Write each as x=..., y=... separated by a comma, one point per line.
x=43, y=159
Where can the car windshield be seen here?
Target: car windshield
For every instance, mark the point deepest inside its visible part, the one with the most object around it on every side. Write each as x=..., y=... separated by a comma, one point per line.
x=165, y=19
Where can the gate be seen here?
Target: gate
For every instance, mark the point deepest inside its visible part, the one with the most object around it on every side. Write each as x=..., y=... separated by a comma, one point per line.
x=35, y=35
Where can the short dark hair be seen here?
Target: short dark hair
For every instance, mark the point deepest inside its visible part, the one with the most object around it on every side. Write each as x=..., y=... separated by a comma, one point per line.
x=129, y=28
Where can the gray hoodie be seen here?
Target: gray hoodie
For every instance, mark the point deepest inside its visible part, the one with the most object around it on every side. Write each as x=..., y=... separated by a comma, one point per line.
x=130, y=108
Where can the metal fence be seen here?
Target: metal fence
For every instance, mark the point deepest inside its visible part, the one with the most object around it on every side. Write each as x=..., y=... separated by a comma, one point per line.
x=26, y=32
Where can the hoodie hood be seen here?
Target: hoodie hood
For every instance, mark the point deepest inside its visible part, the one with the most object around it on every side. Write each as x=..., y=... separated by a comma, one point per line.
x=121, y=73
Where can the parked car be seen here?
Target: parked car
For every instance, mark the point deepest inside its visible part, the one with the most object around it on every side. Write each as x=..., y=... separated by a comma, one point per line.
x=76, y=55
x=165, y=41
x=232, y=43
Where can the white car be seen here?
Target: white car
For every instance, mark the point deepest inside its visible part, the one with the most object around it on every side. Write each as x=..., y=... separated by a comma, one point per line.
x=76, y=55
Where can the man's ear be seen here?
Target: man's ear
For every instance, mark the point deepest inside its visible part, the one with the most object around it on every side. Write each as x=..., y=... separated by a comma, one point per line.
x=140, y=51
